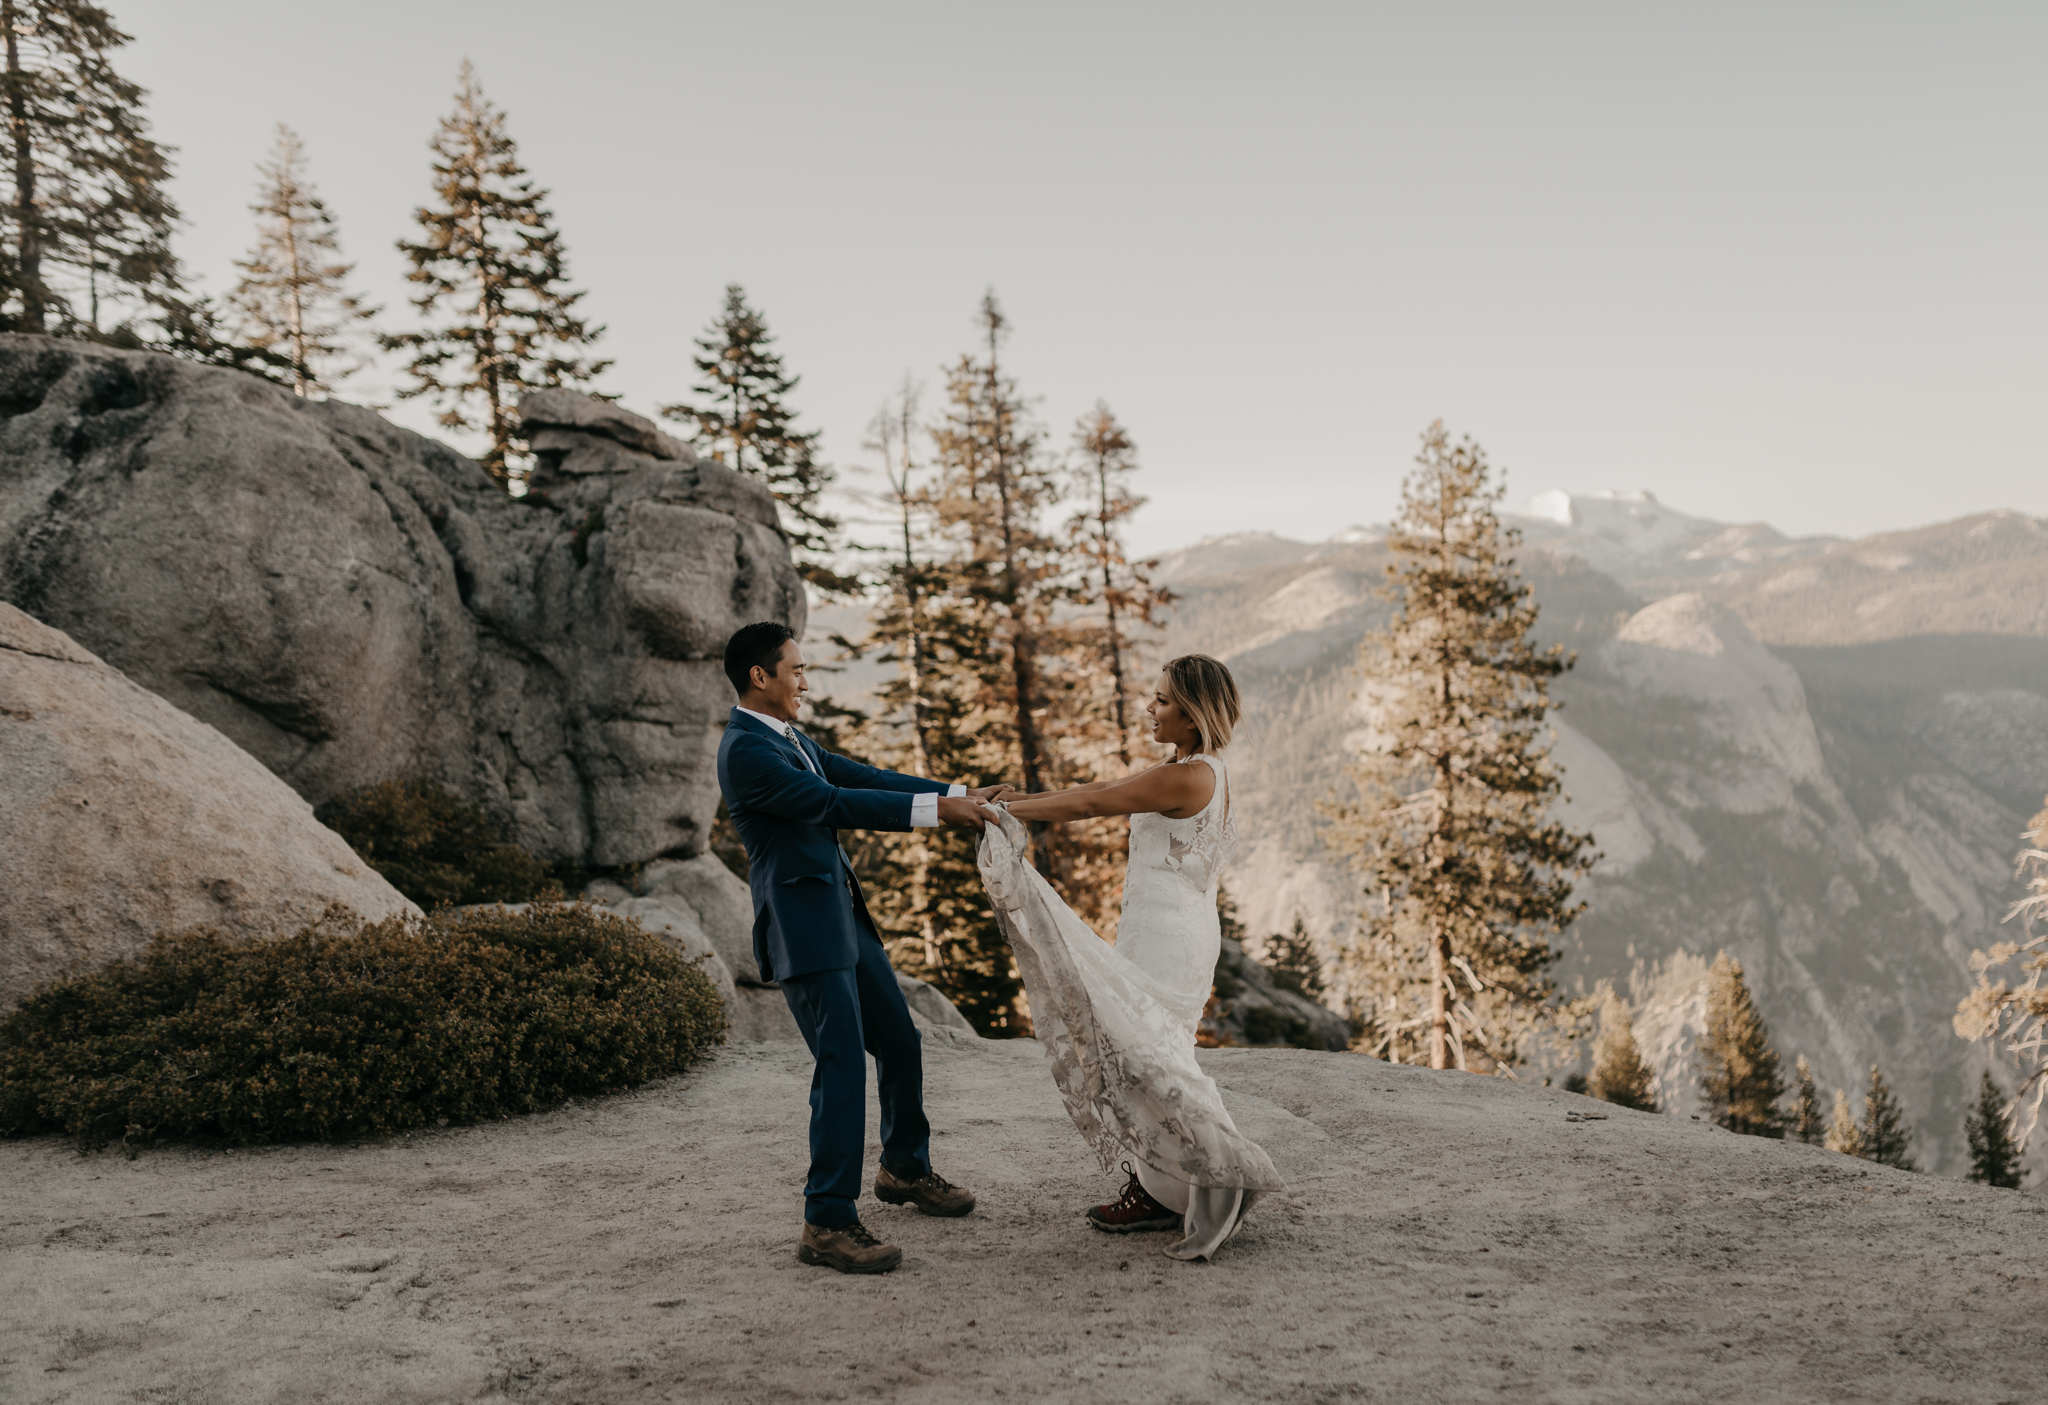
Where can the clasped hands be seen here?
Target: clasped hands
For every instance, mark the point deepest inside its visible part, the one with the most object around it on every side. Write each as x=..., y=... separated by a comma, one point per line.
x=965, y=810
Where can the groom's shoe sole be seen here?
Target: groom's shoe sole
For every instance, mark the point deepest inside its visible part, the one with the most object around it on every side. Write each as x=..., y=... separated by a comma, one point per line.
x=933, y=1195
x=806, y=1254
x=924, y=1207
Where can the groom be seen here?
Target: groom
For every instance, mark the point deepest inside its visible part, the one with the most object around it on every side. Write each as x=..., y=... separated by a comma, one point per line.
x=786, y=795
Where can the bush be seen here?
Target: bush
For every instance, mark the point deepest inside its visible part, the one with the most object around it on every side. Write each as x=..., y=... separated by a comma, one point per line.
x=432, y=845
x=346, y=1030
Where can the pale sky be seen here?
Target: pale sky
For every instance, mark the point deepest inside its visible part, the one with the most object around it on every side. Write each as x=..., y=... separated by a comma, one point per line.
x=1778, y=261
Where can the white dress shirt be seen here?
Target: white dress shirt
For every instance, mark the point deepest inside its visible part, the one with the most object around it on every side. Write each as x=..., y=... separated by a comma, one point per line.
x=924, y=809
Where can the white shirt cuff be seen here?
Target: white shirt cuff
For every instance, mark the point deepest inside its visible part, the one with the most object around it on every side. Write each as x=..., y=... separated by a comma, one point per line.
x=955, y=791
x=924, y=811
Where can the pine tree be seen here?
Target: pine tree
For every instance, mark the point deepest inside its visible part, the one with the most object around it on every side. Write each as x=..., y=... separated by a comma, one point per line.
x=924, y=886
x=1883, y=1134
x=994, y=679
x=1740, y=1081
x=292, y=299
x=899, y=731
x=1994, y=1155
x=1119, y=587
x=1472, y=878
x=493, y=277
x=88, y=231
x=2015, y=1011
x=1806, y=1122
x=743, y=418
x=1294, y=961
x=1843, y=1133
x=1012, y=584
x=1619, y=1074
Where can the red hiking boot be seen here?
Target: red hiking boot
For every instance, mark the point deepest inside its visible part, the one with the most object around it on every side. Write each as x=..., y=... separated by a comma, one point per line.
x=1135, y=1211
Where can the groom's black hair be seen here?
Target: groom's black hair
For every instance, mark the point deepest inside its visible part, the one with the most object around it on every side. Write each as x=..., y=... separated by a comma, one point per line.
x=754, y=646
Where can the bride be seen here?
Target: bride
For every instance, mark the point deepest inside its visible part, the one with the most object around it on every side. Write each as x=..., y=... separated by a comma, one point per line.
x=1119, y=1022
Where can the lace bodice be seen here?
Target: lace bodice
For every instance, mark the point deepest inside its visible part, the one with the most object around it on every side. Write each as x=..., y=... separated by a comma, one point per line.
x=1196, y=848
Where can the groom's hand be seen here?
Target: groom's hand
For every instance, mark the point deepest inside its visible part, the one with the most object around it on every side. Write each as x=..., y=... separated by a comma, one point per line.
x=990, y=794
x=962, y=810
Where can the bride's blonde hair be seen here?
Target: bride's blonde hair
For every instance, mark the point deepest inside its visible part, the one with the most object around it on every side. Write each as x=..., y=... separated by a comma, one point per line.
x=1203, y=689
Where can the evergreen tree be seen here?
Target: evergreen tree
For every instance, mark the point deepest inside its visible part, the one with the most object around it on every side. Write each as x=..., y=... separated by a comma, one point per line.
x=1294, y=961
x=493, y=276
x=1994, y=1155
x=1740, y=1081
x=1883, y=1135
x=1119, y=587
x=924, y=886
x=994, y=679
x=1806, y=1122
x=1452, y=829
x=1619, y=1074
x=2015, y=1011
x=87, y=250
x=292, y=299
x=1843, y=1133
x=744, y=420
x=1012, y=584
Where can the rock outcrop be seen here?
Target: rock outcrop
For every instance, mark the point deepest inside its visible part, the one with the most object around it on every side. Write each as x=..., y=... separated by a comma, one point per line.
x=351, y=602
x=121, y=817
x=1251, y=1008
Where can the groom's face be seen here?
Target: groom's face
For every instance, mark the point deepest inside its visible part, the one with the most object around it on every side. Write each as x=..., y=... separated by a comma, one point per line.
x=782, y=691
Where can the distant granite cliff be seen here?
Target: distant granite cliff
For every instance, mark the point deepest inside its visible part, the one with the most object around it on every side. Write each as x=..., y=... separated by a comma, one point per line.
x=1816, y=754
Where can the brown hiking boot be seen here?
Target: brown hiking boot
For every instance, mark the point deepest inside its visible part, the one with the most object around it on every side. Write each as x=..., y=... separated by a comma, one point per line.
x=1135, y=1211
x=850, y=1250
x=933, y=1194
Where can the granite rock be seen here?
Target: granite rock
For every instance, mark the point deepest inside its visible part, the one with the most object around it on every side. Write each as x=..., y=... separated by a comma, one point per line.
x=122, y=817
x=351, y=602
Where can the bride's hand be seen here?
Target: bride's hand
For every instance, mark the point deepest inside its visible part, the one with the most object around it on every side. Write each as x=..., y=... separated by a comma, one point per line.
x=1001, y=790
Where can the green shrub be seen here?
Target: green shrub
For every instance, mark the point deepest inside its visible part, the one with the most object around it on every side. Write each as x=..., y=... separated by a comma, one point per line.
x=347, y=1030
x=432, y=845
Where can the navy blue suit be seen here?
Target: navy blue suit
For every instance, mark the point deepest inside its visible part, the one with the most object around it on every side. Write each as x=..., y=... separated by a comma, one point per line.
x=812, y=933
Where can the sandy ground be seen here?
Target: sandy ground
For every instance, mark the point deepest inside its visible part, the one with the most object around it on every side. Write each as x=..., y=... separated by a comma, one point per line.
x=1445, y=1238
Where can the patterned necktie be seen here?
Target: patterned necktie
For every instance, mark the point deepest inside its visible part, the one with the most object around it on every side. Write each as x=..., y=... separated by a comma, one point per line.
x=789, y=731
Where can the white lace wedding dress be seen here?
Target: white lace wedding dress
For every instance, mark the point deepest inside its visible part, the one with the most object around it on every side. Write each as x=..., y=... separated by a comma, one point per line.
x=1119, y=1022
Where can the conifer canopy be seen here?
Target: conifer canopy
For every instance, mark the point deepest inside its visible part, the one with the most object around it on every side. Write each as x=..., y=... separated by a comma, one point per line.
x=743, y=418
x=1740, y=1080
x=87, y=240
x=1619, y=1074
x=1844, y=1135
x=292, y=299
x=1994, y=1154
x=1807, y=1122
x=1467, y=876
x=493, y=279
x=1883, y=1135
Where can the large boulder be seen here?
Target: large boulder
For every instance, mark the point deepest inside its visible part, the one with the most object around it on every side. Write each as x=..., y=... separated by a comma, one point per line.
x=351, y=602
x=121, y=817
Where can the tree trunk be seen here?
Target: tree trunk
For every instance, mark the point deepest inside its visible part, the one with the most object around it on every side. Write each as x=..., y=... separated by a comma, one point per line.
x=1116, y=653
x=28, y=236
x=1439, y=998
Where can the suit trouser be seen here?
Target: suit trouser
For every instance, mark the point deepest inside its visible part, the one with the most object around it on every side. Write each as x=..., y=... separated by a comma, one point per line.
x=843, y=1013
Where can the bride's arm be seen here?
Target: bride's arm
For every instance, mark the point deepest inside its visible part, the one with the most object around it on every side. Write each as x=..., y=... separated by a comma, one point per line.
x=1167, y=790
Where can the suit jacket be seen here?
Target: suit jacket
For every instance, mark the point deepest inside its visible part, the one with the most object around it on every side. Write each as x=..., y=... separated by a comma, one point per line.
x=803, y=885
